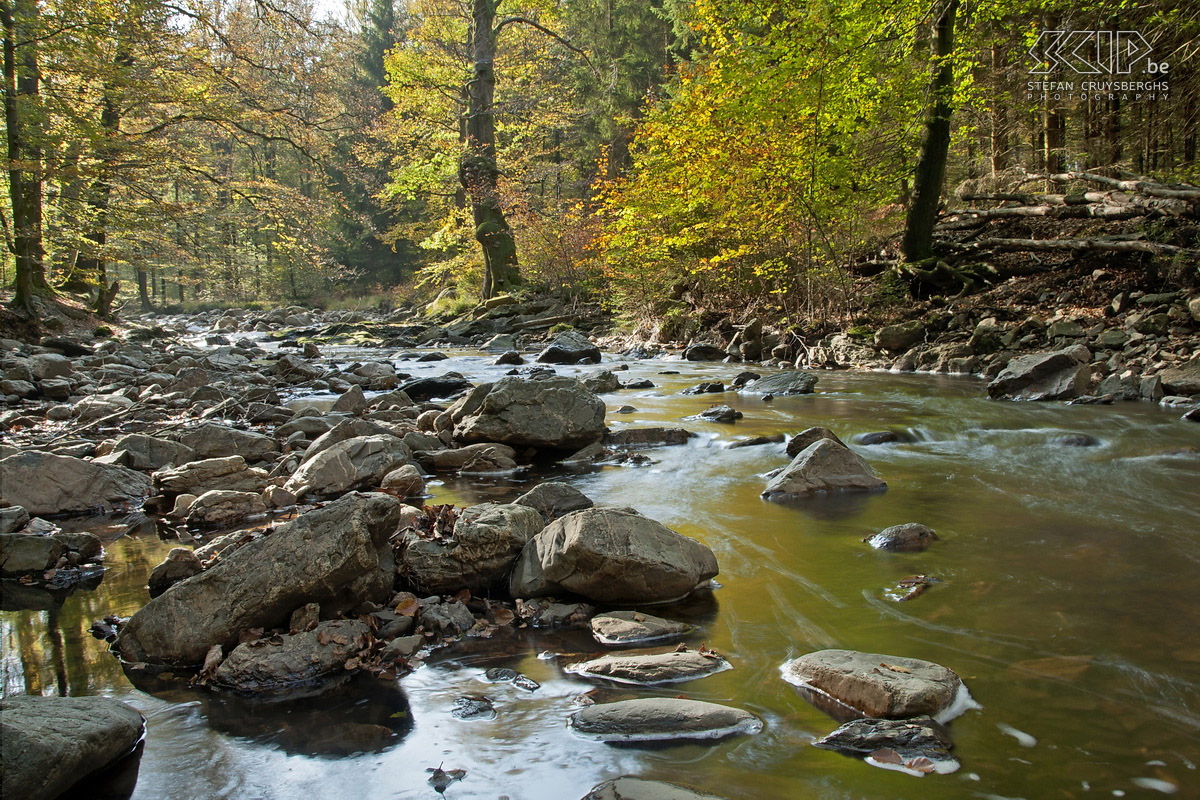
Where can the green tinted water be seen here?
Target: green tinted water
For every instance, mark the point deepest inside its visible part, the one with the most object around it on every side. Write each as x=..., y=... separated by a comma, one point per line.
x=1068, y=602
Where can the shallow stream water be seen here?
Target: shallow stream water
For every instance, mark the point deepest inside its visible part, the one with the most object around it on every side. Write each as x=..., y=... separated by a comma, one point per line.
x=1069, y=602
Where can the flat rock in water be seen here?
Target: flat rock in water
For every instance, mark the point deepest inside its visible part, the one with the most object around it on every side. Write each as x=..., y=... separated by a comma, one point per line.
x=647, y=437
x=652, y=719
x=628, y=787
x=650, y=668
x=910, y=740
x=782, y=384
x=634, y=627
x=881, y=686
x=823, y=467
x=47, y=744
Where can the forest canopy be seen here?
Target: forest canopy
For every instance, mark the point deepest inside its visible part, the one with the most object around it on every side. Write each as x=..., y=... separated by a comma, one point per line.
x=175, y=153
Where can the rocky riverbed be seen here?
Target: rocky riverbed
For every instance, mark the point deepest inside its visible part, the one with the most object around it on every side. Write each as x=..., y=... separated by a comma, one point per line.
x=326, y=502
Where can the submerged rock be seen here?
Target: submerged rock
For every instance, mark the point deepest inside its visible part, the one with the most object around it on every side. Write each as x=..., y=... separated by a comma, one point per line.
x=611, y=555
x=1058, y=375
x=911, y=537
x=628, y=787
x=651, y=668
x=47, y=744
x=647, y=437
x=881, y=686
x=550, y=411
x=292, y=660
x=338, y=556
x=43, y=483
x=661, y=719
x=634, y=627
x=823, y=467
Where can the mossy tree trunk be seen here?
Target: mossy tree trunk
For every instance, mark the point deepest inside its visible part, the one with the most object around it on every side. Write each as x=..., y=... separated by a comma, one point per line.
x=477, y=171
x=931, y=169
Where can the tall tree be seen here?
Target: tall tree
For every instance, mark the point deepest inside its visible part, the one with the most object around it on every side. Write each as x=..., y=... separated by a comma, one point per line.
x=931, y=169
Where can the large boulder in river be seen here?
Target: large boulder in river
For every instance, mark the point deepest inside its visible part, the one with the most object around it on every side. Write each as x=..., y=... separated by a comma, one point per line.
x=823, y=467
x=480, y=552
x=782, y=384
x=550, y=411
x=553, y=499
x=292, y=661
x=139, y=451
x=43, y=483
x=570, y=347
x=47, y=744
x=611, y=555
x=881, y=686
x=1058, y=375
x=354, y=463
x=217, y=441
x=338, y=556
x=661, y=719
x=1182, y=380
x=810, y=436
x=226, y=474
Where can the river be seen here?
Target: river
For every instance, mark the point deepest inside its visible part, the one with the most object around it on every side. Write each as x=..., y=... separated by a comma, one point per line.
x=1068, y=599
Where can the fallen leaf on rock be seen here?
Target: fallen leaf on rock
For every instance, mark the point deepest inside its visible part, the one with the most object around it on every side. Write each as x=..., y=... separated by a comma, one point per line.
x=886, y=755
x=352, y=664
x=920, y=764
x=896, y=668
x=503, y=616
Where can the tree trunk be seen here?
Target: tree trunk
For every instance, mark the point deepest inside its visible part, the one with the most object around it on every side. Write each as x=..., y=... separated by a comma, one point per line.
x=477, y=171
x=931, y=169
x=21, y=87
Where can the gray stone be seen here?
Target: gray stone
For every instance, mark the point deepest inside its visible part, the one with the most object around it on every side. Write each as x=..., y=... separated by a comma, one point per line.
x=650, y=668
x=292, y=660
x=909, y=739
x=911, y=537
x=47, y=744
x=1058, y=375
x=611, y=555
x=479, y=553
x=570, y=347
x=28, y=553
x=721, y=413
x=881, y=686
x=43, y=483
x=551, y=411
x=351, y=402
x=338, y=556
x=220, y=507
x=1194, y=308
x=13, y=518
x=354, y=463
x=217, y=441
x=148, y=452
x=647, y=437
x=1113, y=338
x=635, y=627
x=402, y=647
x=810, y=436
x=1183, y=380
x=457, y=458
x=661, y=719
x=542, y=613
x=602, y=382
x=554, y=499
x=447, y=619
x=180, y=564
x=628, y=787
x=404, y=481
x=50, y=365
x=1066, y=328
x=821, y=468
x=782, y=384
x=343, y=431
x=901, y=336
x=198, y=477
x=703, y=352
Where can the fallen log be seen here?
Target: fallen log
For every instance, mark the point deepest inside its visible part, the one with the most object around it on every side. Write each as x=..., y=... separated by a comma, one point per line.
x=1182, y=191
x=1103, y=245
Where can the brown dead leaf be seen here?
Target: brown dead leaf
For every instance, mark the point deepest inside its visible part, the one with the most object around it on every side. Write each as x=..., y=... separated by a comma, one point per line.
x=408, y=605
x=920, y=764
x=463, y=596
x=886, y=755
x=503, y=616
x=352, y=663
x=896, y=668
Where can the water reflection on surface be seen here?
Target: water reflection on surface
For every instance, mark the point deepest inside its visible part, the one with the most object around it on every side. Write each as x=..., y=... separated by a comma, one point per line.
x=1067, y=600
